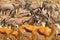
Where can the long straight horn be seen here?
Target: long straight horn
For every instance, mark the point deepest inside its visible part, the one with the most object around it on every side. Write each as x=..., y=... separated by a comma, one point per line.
x=1, y=12
x=4, y=13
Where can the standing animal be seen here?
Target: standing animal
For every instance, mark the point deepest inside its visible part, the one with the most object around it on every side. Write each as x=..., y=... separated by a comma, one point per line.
x=5, y=7
x=46, y=31
x=49, y=5
x=5, y=31
x=17, y=5
x=19, y=21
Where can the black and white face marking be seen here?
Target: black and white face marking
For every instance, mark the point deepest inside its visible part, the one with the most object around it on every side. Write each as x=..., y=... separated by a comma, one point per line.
x=43, y=24
x=58, y=26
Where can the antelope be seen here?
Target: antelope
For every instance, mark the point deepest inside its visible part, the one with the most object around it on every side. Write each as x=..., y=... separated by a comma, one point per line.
x=49, y=6
x=9, y=32
x=5, y=31
x=38, y=29
x=19, y=21
x=7, y=6
x=17, y=5
x=28, y=28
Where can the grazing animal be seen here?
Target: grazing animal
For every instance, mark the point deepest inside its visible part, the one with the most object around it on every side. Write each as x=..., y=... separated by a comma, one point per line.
x=7, y=6
x=49, y=6
x=5, y=31
x=39, y=29
x=19, y=21
x=9, y=32
x=17, y=5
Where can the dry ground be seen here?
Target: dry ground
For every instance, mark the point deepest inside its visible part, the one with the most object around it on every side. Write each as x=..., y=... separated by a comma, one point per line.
x=28, y=36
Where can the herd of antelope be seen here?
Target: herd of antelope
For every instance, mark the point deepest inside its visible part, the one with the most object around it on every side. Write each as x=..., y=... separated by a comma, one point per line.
x=17, y=17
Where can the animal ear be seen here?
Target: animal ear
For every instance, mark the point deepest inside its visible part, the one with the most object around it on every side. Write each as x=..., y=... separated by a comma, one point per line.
x=13, y=4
